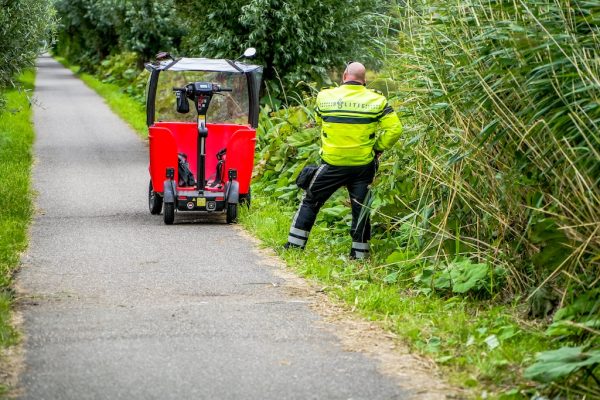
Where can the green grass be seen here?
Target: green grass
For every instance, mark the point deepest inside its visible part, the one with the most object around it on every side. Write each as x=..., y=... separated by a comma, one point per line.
x=129, y=109
x=452, y=331
x=16, y=140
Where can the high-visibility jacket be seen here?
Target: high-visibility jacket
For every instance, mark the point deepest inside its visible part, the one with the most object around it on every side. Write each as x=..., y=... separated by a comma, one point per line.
x=351, y=118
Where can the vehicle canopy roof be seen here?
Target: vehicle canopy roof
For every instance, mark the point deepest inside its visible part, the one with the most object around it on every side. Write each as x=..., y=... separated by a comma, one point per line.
x=205, y=64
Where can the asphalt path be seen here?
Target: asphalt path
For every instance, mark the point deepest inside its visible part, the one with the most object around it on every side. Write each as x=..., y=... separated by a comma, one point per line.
x=117, y=305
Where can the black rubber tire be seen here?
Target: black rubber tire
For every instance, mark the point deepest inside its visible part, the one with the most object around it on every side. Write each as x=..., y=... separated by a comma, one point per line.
x=231, y=213
x=169, y=213
x=155, y=201
x=246, y=199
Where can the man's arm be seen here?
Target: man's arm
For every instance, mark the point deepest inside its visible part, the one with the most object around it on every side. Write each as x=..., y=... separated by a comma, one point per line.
x=392, y=129
x=318, y=118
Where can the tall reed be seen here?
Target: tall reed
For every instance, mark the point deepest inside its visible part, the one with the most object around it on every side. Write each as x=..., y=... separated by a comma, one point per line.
x=503, y=99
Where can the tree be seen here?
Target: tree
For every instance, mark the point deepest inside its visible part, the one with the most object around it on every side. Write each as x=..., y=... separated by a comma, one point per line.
x=91, y=30
x=296, y=39
x=87, y=32
x=25, y=26
x=148, y=26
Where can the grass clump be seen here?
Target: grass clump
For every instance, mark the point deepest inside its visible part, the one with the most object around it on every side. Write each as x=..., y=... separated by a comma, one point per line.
x=16, y=140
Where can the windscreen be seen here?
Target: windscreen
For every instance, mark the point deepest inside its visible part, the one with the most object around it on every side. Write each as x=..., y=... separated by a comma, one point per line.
x=225, y=107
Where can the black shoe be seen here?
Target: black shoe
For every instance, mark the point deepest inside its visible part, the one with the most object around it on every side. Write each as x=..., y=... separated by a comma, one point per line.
x=289, y=245
x=363, y=255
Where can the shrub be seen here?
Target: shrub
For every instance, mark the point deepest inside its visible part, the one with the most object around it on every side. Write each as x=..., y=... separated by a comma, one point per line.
x=501, y=150
x=296, y=40
x=92, y=30
x=26, y=26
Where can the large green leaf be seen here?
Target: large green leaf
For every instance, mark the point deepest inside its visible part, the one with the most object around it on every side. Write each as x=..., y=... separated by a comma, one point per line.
x=556, y=364
x=334, y=213
x=461, y=276
x=468, y=276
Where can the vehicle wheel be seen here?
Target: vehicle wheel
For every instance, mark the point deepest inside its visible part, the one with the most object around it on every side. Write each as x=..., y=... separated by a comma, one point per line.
x=169, y=213
x=155, y=201
x=231, y=213
x=246, y=199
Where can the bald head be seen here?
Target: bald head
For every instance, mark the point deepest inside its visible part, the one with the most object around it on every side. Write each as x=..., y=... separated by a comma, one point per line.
x=355, y=71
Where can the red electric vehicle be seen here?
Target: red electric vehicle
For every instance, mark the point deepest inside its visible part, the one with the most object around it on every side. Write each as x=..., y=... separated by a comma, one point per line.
x=202, y=160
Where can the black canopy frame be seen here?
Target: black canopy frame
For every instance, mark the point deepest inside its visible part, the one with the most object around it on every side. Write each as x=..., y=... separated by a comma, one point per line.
x=253, y=75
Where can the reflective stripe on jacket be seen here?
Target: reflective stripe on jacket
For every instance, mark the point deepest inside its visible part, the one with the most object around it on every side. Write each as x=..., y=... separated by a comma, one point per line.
x=351, y=116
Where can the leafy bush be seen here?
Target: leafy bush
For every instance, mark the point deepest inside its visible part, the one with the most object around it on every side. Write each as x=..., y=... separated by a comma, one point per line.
x=580, y=319
x=459, y=276
x=91, y=30
x=87, y=32
x=148, y=26
x=296, y=40
x=500, y=152
x=26, y=26
x=121, y=69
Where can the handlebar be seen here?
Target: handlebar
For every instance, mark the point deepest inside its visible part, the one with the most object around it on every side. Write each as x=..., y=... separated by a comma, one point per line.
x=201, y=88
x=200, y=93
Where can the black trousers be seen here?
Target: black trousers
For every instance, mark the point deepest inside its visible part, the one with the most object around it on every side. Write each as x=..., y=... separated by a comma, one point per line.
x=325, y=182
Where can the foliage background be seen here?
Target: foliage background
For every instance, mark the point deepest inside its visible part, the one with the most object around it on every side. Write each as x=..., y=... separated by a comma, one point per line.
x=25, y=27
x=296, y=40
x=91, y=30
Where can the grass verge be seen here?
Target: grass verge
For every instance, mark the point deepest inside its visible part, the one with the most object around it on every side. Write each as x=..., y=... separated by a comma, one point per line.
x=129, y=109
x=16, y=205
x=479, y=346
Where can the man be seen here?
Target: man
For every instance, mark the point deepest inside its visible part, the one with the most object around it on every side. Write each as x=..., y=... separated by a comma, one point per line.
x=350, y=117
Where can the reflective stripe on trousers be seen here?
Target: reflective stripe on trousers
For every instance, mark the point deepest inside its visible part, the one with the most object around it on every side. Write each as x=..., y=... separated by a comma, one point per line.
x=360, y=249
x=362, y=246
x=297, y=237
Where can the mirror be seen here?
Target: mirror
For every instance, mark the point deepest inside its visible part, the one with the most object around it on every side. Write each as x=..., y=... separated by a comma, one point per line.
x=183, y=107
x=250, y=52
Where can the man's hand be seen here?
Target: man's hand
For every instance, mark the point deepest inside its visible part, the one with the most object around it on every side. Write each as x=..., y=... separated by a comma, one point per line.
x=378, y=154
